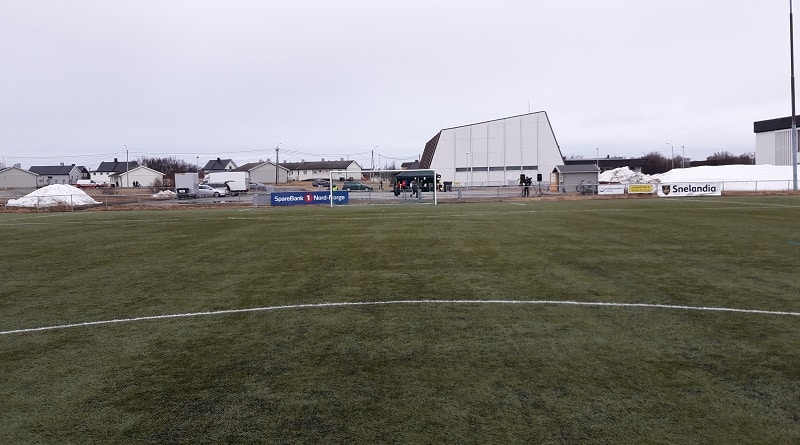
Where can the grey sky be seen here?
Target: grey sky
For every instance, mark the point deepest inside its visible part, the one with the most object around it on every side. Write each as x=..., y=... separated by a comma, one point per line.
x=82, y=79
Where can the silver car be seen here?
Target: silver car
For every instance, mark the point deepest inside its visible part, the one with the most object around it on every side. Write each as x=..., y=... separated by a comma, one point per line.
x=206, y=190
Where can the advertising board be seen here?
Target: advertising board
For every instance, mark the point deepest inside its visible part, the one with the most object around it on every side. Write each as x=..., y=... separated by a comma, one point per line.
x=308, y=198
x=611, y=189
x=641, y=188
x=689, y=189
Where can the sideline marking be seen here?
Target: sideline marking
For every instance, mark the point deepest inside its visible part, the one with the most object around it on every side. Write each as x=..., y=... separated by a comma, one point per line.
x=394, y=302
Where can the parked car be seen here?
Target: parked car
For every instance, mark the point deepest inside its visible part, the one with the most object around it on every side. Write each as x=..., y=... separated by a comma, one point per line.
x=257, y=186
x=355, y=185
x=87, y=184
x=321, y=183
x=206, y=190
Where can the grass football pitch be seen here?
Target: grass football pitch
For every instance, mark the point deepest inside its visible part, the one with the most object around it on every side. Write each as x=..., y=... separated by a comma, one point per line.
x=600, y=321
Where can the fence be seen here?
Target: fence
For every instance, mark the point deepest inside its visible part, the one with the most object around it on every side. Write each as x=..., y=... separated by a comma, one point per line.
x=123, y=198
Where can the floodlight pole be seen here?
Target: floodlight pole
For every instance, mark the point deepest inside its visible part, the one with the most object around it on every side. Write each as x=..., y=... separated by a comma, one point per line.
x=672, y=156
x=794, y=115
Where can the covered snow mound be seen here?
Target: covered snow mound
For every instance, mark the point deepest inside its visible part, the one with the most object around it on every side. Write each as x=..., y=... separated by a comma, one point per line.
x=624, y=175
x=53, y=196
x=734, y=177
x=164, y=194
x=723, y=173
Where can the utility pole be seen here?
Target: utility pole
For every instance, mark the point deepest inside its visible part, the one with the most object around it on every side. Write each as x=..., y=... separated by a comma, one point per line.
x=277, y=149
x=372, y=174
x=127, y=167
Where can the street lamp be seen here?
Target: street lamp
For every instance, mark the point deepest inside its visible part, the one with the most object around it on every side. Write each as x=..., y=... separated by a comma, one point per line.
x=672, y=156
x=597, y=157
x=683, y=156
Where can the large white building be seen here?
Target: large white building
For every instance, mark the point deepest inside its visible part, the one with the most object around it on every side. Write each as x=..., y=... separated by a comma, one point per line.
x=774, y=141
x=496, y=152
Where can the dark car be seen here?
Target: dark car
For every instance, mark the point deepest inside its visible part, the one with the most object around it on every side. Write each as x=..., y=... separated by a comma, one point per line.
x=354, y=185
x=321, y=183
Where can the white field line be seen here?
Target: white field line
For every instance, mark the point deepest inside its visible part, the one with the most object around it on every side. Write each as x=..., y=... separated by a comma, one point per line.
x=396, y=302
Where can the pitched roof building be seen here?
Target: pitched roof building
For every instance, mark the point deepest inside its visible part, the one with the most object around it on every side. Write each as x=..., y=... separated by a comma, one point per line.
x=303, y=171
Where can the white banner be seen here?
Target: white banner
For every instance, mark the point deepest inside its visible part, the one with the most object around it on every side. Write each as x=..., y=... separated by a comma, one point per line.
x=690, y=189
x=611, y=189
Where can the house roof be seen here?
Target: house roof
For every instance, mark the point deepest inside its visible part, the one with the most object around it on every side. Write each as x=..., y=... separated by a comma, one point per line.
x=319, y=165
x=51, y=170
x=218, y=164
x=116, y=166
x=20, y=169
x=254, y=165
x=578, y=168
x=415, y=174
x=781, y=123
x=141, y=167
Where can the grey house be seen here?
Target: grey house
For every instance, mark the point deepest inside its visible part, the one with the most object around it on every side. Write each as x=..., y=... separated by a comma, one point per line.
x=59, y=174
x=568, y=178
x=15, y=177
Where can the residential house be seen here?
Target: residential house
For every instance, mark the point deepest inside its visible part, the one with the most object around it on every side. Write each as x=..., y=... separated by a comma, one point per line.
x=219, y=165
x=59, y=174
x=303, y=171
x=265, y=172
x=16, y=177
x=108, y=172
x=141, y=175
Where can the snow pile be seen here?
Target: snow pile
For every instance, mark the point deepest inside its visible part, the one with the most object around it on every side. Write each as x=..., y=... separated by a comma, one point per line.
x=733, y=177
x=164, y=194
x=624, y=175
x=52, y=196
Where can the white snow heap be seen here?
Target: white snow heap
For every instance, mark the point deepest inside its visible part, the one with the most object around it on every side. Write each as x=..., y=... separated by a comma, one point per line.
x=737, y=177
x=624, y=175
x=52, y=196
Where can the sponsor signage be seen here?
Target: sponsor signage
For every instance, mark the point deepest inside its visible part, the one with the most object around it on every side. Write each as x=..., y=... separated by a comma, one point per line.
x=308, y=198
x=611, y=189
x=641, y=188
x=689, y=189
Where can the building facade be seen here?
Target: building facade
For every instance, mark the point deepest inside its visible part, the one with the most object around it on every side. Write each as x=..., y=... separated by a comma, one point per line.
x=59, y=174
x=774, y=141
x=265, y=172
x=15, y=177
x=495, y=152
x=304, y=171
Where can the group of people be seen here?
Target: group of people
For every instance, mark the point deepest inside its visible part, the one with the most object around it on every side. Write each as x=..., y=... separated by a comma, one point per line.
x=401, y=185
x=525, y=182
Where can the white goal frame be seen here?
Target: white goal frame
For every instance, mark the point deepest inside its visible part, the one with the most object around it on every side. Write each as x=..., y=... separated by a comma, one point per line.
x=372, y=173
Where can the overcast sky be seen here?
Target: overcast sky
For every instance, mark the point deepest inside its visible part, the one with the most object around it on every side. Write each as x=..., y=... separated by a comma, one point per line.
x=81, y=80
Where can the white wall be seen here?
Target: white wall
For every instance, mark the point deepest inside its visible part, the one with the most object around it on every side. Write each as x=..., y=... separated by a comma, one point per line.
x=774, y=147
x=17, y=178
x=265, y=174
x=144, y=176
x=497, y=152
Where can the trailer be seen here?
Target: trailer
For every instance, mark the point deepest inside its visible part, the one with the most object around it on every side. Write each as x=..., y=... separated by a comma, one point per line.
x=186, y=185
x=236, y=182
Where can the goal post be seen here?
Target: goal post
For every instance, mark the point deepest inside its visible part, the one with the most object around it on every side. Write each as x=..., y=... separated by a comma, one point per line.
x=420, y=180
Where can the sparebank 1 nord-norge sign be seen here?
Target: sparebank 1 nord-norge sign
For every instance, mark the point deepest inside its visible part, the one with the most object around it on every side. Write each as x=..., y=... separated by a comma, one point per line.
x=308, y=198
x=680, y=189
